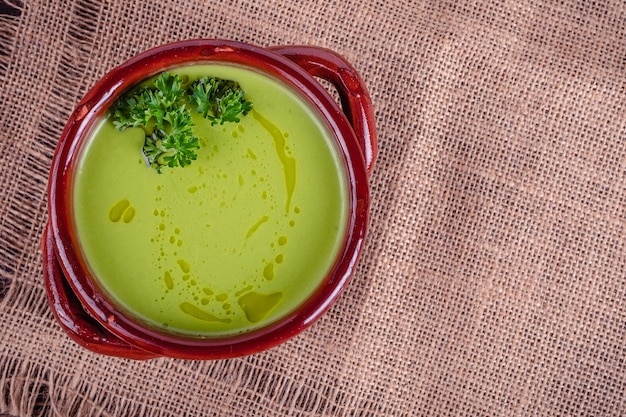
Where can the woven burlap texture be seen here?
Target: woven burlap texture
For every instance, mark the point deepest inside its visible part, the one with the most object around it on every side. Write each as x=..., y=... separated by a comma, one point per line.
x=493, y=278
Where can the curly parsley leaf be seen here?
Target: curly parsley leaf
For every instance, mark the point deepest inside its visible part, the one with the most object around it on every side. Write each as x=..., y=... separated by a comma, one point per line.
x=219, y=100
x=172, y=144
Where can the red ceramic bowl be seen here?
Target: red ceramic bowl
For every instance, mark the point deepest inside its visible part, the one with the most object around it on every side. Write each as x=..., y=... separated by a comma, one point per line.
x=77, y=301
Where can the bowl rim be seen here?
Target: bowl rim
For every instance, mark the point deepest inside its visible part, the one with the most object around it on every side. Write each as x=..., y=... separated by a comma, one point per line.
x=95, y=103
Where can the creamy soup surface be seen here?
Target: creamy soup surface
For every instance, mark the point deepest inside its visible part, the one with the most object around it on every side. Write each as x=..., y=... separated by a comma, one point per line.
x=232, y=242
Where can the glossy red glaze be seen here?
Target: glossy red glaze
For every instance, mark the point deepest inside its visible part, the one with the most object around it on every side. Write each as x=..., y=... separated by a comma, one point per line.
x=79, y=305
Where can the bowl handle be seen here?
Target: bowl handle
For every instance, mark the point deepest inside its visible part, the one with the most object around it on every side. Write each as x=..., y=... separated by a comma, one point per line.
x=355, y=100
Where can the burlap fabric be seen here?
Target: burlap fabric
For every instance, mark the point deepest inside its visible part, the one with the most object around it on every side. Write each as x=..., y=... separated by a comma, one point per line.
x=493, y=280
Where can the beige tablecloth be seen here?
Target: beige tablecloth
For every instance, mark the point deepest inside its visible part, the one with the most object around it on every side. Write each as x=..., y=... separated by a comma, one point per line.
x=493, y=278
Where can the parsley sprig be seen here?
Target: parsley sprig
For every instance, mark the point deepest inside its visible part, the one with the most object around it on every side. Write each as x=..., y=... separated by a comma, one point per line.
x=160, y=108
x=219, y=100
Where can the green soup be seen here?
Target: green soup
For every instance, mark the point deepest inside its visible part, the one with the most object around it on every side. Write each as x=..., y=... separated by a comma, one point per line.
x=232, y=242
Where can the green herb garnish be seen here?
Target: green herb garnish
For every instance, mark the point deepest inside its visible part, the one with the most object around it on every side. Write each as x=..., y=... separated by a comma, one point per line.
x=161, y=110
x=219, y=100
